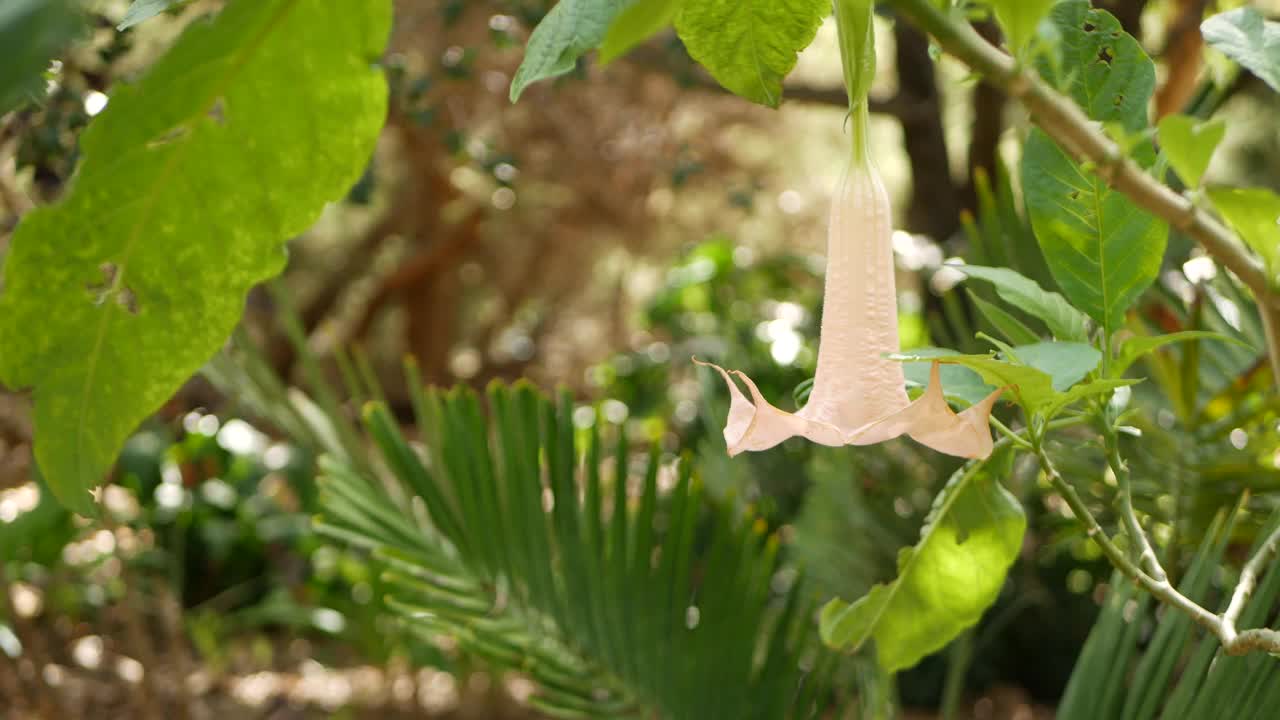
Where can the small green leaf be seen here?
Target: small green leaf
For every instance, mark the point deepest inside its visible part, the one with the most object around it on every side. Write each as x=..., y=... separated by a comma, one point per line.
x=1245, y=36
x=32, y=32
x=1066, y=363
x=1011, y=327
x=1082, y=391
x=1063, y=320
x=958, y=382
x=1036, y=374
x=970, y=538
x=1189, y=145
x=1019, y=18
x=1030, y=387
x=143, y=10
x=188, y=186
x=1255, y=214
x=567, y=32
x=1103, y=250
x=1134, y=348
x=749, y=46
x=640, y=21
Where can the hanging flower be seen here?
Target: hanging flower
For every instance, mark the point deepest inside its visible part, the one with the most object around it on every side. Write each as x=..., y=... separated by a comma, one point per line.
x=859, y=395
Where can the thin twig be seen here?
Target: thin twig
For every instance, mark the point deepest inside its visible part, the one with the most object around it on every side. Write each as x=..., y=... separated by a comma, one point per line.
x=1068, y=125
x=1249, y=579
x=1222, y=626
x=1133, y=528
x=1160, y=588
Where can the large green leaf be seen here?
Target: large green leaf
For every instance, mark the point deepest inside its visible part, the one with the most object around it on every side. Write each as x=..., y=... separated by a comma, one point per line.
x=1063, y=320
x=640, y=21
x=190, y=183
x=1102, y=249
x=750, y=45
x=1189, y=144
x=970, y=538
x=1245, y=36
x=571, y=28
x=31, y=33
x=1255, y=214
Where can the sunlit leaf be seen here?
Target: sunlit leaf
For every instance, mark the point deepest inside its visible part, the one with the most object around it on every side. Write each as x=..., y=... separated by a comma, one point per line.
x=750, y=45
x=1245, y=36
x=1102, y=249
x=970, y=538
x=1189, y=145
x=640, y=21
x=1019, y=18
x=189, y=185
x=1255, y=214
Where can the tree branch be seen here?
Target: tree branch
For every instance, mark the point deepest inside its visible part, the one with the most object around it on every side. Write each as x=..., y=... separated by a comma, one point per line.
x=1067, y=124
x=1222, y=626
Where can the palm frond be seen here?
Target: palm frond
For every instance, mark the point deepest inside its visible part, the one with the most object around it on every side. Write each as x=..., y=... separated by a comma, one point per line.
x=606, y=577
x=507, y=536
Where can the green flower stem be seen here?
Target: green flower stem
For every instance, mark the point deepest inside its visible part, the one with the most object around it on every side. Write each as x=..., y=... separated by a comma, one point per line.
x=854, y=23
x=1013, y=437
x=1067, y=124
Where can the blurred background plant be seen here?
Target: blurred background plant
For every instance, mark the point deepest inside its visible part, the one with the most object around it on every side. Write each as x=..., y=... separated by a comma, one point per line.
x=597, y=235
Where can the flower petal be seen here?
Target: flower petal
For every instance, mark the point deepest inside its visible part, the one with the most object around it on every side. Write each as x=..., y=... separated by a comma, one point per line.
x=965, y=435
x=757, y=425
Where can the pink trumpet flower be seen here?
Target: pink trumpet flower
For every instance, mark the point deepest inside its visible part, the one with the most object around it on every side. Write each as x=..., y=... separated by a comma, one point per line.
x=859, y=395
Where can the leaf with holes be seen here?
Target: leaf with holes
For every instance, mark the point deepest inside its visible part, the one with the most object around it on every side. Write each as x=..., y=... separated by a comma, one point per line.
x=970, y=538
x=190, y=183
x=571, y=28
x=750, y=45
x=1103, y=250
x=1247, y=37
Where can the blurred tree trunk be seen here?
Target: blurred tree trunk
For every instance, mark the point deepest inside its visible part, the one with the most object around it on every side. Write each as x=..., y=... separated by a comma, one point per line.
x=935, y=203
